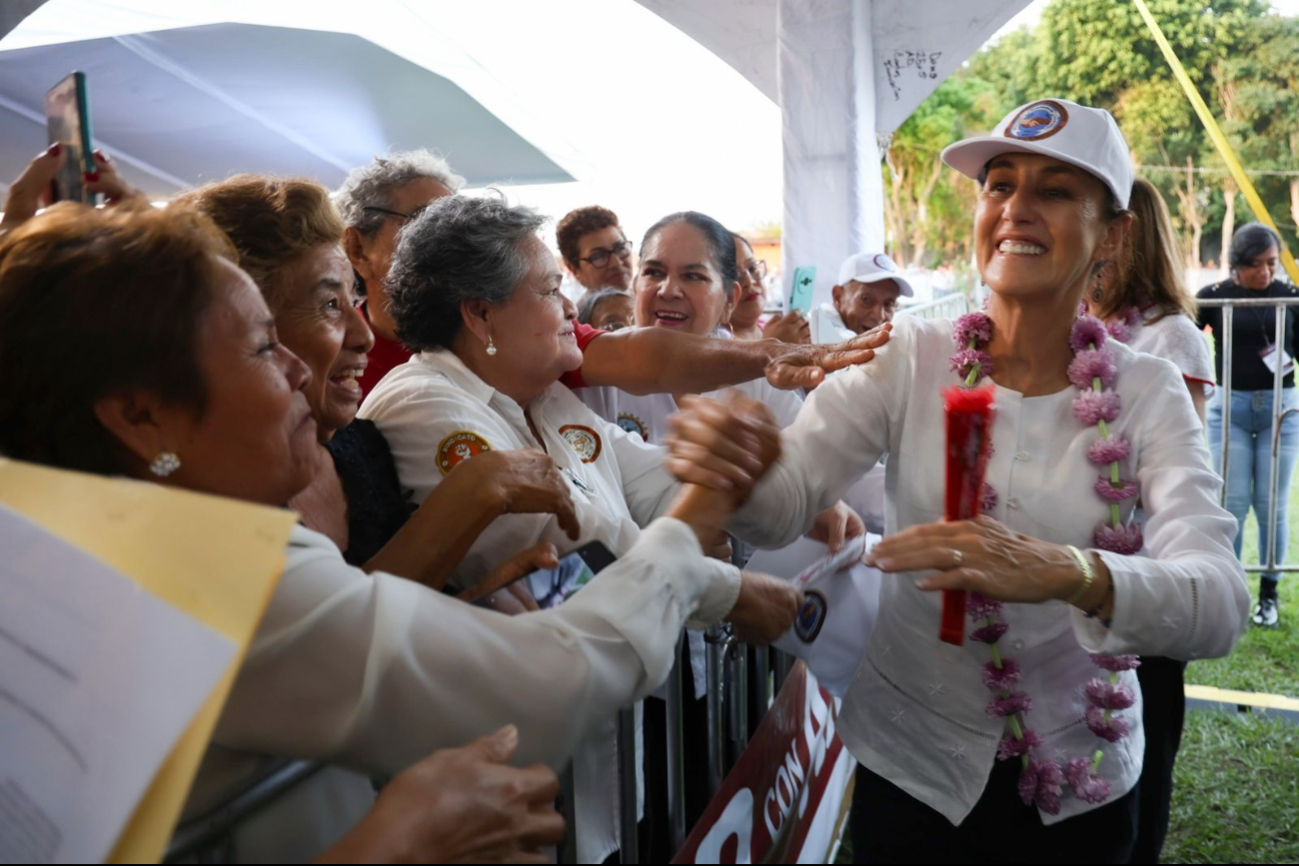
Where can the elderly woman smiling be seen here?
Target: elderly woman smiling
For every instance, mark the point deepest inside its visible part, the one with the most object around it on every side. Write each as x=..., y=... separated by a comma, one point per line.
x=475, y=292
x=1025, y=744
x=288, y=234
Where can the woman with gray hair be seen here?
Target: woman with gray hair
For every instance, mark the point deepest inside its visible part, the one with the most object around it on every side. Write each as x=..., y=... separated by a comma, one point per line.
x=475, y=294
x=376, y=201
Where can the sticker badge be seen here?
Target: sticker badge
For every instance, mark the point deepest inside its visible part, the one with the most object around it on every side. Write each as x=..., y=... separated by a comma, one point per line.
x=811, y=617
x=460, y=446
x=584, y=440
x=633, y=424
x=1037, y=121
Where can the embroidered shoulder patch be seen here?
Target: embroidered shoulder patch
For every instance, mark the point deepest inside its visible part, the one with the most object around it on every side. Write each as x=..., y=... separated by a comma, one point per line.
x=585, y=441
x=460, y=446
x=633, y=424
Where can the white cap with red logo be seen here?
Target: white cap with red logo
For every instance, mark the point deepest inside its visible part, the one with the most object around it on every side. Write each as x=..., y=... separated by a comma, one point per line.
x=1086, y=137
x=873, y=268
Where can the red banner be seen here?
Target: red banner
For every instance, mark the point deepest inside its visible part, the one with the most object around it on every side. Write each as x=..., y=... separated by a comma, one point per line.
x=785, y=793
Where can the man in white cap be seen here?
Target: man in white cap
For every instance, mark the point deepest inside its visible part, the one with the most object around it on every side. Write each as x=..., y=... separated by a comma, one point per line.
x=865, y=297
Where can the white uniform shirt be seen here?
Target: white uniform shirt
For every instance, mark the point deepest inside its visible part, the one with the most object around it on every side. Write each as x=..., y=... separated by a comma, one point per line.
x=432, y=406
x=828, y=327
x=915, y=712
x=1176, y=338
x=375, y=672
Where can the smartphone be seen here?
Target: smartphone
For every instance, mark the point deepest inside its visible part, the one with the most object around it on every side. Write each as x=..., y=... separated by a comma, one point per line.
x=800, y=291
x=551, y=587
x=67, y=113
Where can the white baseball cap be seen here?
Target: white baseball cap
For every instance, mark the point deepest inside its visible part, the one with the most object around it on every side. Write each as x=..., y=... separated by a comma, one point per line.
x=1086, y=137
x=873, y=268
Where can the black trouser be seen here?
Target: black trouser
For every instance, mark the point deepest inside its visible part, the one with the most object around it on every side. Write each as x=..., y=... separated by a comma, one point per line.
x=891, y=826
x=1163, y=695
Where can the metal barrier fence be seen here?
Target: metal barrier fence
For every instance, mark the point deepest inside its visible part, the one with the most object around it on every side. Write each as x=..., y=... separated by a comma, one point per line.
x=1224, y=347
x=947, y=307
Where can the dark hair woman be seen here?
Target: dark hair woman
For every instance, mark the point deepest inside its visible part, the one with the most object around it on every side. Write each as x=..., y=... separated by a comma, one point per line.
x=1254, y=259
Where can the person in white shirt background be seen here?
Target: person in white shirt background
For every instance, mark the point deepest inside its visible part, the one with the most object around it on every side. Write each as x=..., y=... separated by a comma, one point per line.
x=929, y=721
x=476, y=295
x=865, y=297
x=1145, y=302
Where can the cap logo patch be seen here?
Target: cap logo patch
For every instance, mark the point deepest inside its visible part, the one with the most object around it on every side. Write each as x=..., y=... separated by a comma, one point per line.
x=884, y=263
x=1038, y=121
x=458, y=447
x=585, y=441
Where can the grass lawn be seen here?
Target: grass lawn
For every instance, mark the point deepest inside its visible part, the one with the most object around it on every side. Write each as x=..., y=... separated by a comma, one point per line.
x=1236, y=798
x=1265, y=660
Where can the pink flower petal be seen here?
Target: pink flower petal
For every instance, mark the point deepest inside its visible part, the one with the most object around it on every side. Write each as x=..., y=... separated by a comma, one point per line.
x=1087, y=333
x=1111, y=492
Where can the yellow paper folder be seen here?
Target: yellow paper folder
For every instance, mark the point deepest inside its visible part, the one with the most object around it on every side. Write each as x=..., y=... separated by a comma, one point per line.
x=216, y=559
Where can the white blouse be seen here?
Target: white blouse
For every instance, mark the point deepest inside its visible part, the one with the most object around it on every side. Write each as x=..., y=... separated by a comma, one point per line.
x=915, y=713
x=1176, y=338
x=433, y=405
x=374, y=672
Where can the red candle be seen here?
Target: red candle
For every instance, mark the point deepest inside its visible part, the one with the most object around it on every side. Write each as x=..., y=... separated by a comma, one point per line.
x=970, y=412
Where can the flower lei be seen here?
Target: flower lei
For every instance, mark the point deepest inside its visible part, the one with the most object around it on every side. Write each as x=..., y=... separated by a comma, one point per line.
x=1092, y=371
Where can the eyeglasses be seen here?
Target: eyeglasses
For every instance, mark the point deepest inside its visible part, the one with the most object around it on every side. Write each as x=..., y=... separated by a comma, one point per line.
x=600, y=257
x=406, y=216
x=757, y=270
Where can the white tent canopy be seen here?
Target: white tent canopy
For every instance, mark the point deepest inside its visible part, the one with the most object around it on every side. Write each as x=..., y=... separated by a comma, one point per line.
x=203, y=89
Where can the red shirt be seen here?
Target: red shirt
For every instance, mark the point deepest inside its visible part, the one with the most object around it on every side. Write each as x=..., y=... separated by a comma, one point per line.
x=387, y=354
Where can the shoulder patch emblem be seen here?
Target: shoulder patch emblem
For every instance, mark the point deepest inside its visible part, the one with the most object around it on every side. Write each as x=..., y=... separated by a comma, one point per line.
x=633, y=424
x=585, y=441
x=460, y=446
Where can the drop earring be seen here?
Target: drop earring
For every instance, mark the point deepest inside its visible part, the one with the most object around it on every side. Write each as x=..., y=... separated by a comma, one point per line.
x=491, y=347
x=164, y=464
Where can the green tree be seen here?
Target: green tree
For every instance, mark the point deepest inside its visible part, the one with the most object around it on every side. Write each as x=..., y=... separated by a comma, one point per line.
x=915, y=176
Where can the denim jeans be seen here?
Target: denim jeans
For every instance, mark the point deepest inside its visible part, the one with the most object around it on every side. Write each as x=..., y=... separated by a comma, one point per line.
x=1249, y=462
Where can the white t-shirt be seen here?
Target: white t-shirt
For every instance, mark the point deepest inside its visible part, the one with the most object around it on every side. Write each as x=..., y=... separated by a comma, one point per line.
x=1176, y=338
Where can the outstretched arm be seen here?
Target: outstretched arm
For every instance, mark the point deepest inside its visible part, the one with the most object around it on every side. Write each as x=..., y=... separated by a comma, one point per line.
x=655, y=360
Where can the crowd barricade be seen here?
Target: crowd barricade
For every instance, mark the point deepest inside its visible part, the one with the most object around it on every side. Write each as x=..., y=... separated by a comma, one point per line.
x=1224, y=347
x=951, y=306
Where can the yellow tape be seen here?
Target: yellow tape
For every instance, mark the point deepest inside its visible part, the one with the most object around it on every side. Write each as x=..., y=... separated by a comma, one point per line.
x=1243, y=699
x=1219, y=140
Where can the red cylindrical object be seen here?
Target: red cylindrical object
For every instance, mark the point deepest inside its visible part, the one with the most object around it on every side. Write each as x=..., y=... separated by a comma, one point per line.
x=970, y=413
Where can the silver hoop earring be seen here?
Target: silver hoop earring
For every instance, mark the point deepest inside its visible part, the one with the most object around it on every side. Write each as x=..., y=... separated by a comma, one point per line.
x=164, y=464
x=491, y=347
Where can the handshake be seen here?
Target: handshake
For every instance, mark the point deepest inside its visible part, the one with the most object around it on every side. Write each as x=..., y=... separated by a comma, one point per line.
x=720, y=451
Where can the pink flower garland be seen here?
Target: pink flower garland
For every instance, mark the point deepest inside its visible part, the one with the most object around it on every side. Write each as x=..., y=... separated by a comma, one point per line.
x=1092, y=371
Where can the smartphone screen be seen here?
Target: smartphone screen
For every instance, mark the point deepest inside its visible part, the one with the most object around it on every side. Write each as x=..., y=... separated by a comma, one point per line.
x=551, y=587
x=67, y=113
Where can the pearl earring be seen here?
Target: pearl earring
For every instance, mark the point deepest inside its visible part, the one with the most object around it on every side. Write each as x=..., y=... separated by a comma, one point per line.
x=491, y=347
x=164, y=464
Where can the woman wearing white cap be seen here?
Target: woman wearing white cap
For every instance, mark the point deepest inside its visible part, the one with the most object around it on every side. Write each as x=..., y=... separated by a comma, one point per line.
x=1026, y=743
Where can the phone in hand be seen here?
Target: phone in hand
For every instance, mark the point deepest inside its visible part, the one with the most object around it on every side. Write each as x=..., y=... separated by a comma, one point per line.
x=800, y=291
x=67, y=114
x=551, y=587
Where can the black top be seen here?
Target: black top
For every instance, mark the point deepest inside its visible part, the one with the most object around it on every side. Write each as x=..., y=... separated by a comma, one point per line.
x=1253, y=329
x=377, y=506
